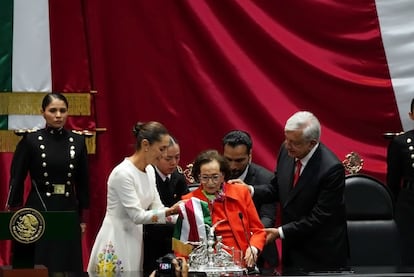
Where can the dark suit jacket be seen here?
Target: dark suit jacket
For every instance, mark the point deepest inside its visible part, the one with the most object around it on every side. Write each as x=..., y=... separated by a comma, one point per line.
x=176, y=188
x=260, y=176
x=313, y=213
x=157, y=237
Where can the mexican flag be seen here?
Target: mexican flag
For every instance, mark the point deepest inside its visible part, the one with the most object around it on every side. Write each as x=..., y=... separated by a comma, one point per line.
x=25, y=62
x=42, y=49
x=191, y=225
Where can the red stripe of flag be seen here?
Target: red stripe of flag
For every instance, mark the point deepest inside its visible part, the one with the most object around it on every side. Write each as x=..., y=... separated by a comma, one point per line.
x=193, y=232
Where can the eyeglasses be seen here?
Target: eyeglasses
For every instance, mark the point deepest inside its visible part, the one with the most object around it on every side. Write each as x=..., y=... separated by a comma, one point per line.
x=205, y=178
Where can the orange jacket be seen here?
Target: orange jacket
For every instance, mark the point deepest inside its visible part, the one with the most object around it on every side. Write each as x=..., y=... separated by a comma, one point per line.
x=237, y=202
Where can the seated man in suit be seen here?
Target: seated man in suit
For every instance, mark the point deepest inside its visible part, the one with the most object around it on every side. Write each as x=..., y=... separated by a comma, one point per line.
x=171, y=185
x=237, y=150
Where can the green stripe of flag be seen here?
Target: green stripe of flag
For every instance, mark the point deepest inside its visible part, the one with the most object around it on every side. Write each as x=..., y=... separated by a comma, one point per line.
x=6, y=47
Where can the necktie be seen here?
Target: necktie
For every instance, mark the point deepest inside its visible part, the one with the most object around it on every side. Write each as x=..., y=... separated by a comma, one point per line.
x=297, y=172
x=167, y=181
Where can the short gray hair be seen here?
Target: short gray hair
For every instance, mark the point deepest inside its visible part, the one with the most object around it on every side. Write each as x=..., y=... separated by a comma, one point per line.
x=307, y=122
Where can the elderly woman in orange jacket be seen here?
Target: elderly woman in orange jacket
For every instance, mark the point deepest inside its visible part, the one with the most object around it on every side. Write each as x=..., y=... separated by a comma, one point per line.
x=241, y=228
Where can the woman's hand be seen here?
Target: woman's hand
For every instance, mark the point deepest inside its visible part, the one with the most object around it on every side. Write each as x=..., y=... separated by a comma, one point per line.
x=175, y=209
x=251, y=256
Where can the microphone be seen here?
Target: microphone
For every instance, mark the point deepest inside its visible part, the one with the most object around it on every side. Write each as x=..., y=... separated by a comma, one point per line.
x=38, y=194
x=254, y=269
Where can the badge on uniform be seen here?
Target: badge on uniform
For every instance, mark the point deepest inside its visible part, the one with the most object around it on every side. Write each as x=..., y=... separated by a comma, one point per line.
x=58, y=189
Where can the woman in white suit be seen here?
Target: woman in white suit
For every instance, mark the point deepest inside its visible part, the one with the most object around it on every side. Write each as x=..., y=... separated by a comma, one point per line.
x=132, y=200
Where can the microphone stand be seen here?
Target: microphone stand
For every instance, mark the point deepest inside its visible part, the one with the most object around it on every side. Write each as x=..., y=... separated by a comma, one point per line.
x=6, y=206
x=38, y=194
x=254, y=270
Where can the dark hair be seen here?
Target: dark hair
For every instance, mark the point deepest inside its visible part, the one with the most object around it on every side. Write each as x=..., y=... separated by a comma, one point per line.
x=173, y=141
x=209, y=156
x=412, y=105
x=151, y=131
x=238, y=137
x=49, y=98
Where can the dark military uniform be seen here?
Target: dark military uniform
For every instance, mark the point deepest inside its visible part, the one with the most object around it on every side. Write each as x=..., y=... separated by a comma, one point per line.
x=400, y=179
x=158, y=238
x=58, y=165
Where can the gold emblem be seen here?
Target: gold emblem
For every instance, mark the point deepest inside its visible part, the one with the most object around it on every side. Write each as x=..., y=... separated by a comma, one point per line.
x=353, y=163
x=27, y=225
x=188, y=173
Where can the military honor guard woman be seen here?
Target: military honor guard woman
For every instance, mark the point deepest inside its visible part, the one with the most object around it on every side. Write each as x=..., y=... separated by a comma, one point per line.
x=57, y=163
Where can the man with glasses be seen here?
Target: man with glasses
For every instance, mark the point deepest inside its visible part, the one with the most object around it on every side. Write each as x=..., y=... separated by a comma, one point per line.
x=171, y=185
x=237, y=150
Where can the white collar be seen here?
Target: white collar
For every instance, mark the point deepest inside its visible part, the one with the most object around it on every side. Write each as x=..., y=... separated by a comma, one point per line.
x=162, y=175
x=306, y=159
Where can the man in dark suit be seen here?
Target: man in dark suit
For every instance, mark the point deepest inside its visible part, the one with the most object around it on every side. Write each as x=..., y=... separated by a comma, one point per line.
x=400, y=179
x=237, y=149
x=171, y=185
x=313, y=229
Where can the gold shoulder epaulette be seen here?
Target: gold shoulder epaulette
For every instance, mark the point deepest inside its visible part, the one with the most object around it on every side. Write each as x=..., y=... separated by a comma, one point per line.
x=77, y=132
x=180, y=169
x=22, y=132
x=85, y=133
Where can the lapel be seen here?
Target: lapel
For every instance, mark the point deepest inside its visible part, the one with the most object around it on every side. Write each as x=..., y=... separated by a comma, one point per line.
x=304, y=179
x=285, y=172
x=173, y=182
x=250, y=176
x=165, y=190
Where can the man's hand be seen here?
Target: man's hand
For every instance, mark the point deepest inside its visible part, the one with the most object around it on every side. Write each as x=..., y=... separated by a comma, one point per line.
x=236, y=181
x=181, y=267
x=240, y=182
x=83, y=228
x=272, y=234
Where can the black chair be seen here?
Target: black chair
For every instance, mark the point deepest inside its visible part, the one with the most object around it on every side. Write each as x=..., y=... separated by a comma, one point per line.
x=372, y=232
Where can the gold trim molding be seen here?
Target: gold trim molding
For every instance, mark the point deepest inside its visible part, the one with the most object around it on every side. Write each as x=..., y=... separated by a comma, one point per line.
x=29, y=103
x=9, y=140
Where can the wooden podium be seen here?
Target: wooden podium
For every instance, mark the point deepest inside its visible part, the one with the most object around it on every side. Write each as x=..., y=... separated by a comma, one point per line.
x=57, y=225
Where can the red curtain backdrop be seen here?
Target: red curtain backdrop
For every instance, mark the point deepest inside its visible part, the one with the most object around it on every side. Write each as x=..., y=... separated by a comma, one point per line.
x=206, y=67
